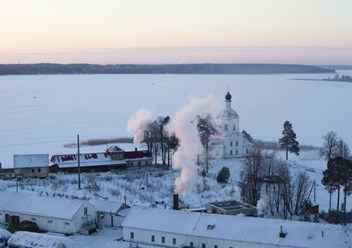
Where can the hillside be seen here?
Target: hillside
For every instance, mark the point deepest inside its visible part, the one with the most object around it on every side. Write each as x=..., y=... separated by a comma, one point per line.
x=45, y=68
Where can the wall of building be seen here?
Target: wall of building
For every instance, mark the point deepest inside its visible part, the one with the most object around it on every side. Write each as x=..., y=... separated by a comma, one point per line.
x=144, y=236
x=37, y=172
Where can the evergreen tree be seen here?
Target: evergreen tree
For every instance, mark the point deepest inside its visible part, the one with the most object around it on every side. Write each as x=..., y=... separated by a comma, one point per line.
x=337, y=174
x=223, y=175
x=288, y=140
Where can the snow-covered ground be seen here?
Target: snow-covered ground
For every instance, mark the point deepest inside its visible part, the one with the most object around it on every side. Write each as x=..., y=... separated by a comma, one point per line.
x=142, y=188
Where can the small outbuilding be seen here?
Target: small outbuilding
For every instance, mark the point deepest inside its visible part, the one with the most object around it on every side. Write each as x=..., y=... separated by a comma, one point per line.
x=31, y=165
x=231, y=208
x=110, y=213
x=51, y=214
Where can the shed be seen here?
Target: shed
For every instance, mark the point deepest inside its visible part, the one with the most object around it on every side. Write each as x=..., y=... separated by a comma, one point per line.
x=31, y=165
x=29, y=239
x=110, y=213
x=52, y=214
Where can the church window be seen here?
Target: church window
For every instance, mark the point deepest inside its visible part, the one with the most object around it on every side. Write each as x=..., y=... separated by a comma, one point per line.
x=236, y=143
x=234, y=127
x=236, y=152
x=231, y=143
x=230, y=152
x=226, y=127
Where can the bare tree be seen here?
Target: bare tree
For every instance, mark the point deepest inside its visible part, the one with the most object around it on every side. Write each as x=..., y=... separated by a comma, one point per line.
x=301, y=184
x=329, y=148
x=342, y=150
x=205, y=131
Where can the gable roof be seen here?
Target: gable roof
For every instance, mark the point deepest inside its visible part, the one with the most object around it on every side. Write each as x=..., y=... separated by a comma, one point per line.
x=237, y=228
x=107, y=206
x=31, y=204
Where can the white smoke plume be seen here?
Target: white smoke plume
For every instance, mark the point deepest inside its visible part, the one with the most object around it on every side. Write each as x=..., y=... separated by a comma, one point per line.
x=184, y=126
x=262, y=205
x=138, y=124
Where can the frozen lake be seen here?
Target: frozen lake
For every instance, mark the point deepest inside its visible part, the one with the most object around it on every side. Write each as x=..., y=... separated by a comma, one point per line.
x=39, y=114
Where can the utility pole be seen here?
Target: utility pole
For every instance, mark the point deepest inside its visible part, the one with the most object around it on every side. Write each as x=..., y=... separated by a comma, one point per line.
x=78, y=163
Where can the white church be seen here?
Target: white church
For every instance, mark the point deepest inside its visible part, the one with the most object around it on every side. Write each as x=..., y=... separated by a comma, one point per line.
x=232, y=143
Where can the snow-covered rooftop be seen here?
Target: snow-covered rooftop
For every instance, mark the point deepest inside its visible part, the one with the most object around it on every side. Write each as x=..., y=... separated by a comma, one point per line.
x=106, y=206
x=31, y=160
x=39, y=205
x=23, y=239
x=238, y=228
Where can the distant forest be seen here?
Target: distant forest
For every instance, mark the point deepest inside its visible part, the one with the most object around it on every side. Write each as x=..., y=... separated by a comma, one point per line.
x=46, y=68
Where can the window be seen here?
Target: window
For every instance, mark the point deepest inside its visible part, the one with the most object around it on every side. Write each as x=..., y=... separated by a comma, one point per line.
x=50, y=221
x=203, y=245
x=230, y=152
x=32, y=170
x=236, y=152
x=236, y=143
x=38, y=170
x=234, y=128
x=163, y=240
x=191, y=244
x=215, y=246
x=153, y=238
x=132, y=235
x=226, y=127
x=231, y=144
x=67, y=223
x=247, y=151
x=174, y=241
x=85, y=210
x=7, y=218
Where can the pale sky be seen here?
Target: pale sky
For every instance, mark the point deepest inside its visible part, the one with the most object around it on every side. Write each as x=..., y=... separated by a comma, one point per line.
x=177, y=31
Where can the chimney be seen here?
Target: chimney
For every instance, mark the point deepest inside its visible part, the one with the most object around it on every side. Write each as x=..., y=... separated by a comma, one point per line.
x=135, y=149
x=175, y=206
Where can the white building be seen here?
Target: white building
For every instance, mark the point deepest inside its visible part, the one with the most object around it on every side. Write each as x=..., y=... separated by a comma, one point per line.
x=60, y=215
x=31, y=165
x=110, y=213
x=231, y=142
x=172, y=228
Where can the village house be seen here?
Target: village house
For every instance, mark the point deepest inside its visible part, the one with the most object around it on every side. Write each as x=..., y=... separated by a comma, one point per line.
x=175, y=228
x=109, y=213
x=51, y=214
x=31, y=165
x=113, y=158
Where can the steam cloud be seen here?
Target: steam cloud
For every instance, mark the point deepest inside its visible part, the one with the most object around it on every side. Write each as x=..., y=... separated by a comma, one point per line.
x=184, y=126
x=138, y=123
x=262, y=205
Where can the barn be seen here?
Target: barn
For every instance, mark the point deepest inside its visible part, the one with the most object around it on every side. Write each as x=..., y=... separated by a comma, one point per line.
x=59, y=215
x=31, y=165
x=109, y=213
x=89, y=162
x=172, y=228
